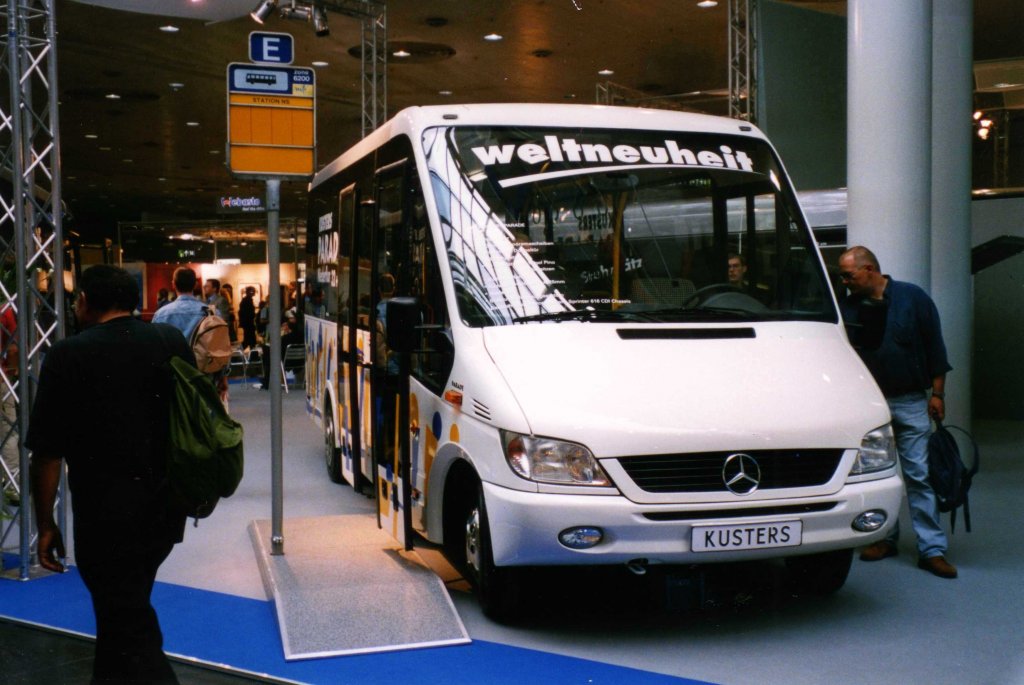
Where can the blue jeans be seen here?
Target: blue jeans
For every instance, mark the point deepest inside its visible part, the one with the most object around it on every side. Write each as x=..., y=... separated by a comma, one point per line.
x=912, y=427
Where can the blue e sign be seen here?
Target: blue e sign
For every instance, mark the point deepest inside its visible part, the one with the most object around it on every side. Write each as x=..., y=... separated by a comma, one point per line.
x=270, y=48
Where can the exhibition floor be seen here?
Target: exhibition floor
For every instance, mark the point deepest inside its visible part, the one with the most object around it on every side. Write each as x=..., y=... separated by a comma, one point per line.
x=891, y=623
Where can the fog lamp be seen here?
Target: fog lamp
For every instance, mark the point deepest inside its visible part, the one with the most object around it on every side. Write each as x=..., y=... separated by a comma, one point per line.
x=870, y=521
x=581, y=537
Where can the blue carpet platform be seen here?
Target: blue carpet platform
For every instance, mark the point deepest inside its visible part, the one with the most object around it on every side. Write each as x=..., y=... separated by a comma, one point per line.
x=241, y=635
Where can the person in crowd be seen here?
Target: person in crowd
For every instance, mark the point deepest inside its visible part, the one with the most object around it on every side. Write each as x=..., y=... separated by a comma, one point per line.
x=214, y=298
x=185, y=312
x=386, y=290
x=101, y=406
x=292, y=333
x=8, y=405
x=315, y=304
x=907, y=358
x=228, y=293
x=262, y=317
x=737, y=271
x=291, y=298
x=162, y=297
x=307, y=297
x=247, y=318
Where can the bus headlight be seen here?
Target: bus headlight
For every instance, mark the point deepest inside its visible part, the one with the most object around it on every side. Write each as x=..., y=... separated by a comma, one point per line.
x=546, y=460
x=877, y=452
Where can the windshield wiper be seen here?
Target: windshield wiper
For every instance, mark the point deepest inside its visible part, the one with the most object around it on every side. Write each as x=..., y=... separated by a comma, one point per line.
x=585, y=315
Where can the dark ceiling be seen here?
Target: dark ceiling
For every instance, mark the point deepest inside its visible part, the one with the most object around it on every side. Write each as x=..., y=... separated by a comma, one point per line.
x=156, y=151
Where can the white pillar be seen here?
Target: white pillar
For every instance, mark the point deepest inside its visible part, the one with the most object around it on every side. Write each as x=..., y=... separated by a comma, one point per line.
x=951, y=280
x=889, y=108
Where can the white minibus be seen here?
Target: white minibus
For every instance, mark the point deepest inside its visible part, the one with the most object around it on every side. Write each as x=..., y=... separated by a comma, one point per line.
x=625, y=347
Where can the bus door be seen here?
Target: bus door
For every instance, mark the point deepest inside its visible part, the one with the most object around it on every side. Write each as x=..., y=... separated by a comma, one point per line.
x=388, y=273
x=348, y=374
x=359, y=345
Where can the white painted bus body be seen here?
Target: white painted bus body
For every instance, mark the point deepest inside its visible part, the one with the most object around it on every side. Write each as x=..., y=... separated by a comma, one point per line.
x=780, y=384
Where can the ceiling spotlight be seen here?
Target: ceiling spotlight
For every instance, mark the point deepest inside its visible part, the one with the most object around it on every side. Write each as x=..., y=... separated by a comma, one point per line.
x=296, y=11
x=320, y=26
x=705, y=4
x=263, y=10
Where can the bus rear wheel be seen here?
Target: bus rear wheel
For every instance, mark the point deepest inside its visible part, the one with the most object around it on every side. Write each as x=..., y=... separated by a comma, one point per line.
x=332, y=454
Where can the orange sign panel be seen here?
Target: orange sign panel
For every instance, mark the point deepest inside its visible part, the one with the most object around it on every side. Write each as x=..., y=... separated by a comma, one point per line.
x=271, y=120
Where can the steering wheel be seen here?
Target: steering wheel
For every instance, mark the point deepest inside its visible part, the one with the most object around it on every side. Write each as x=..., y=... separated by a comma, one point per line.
x=726, y=296
x=702, y=295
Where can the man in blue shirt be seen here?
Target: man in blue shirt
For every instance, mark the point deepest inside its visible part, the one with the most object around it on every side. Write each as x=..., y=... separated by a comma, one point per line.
x=184, y=314
x=185, y=311
x=894, y=327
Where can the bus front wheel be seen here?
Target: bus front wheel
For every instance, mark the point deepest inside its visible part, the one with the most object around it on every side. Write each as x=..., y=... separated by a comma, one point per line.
x=498, y=589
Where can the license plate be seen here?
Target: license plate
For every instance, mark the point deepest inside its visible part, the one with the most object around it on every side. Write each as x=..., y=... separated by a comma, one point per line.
x=751, y=536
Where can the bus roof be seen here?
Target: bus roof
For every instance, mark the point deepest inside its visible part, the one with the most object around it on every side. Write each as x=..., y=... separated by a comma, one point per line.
x=412, y=120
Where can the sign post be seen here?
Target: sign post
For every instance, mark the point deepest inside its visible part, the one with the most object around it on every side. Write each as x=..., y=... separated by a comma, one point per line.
x=272, y=137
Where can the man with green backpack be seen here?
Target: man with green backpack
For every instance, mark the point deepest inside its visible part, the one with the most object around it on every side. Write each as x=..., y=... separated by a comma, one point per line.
x=147, y=442
x=102, y=406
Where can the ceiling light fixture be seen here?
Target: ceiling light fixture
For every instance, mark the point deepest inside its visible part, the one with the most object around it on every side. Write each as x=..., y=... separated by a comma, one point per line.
x=705, y=4
x=493, y=37
x=318, y=63
x=313, y=12
x=401, y=53
x=320, y=27
x=605, y=72
x=296, y=11
x=263, y=10
x=169, y=29
x=112, y=96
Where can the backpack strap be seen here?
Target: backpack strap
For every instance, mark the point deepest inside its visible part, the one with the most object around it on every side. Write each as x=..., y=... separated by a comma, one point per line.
x=967, y=512
x=976, y=454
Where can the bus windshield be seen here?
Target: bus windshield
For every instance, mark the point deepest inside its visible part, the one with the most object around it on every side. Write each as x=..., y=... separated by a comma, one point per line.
x=620, y=225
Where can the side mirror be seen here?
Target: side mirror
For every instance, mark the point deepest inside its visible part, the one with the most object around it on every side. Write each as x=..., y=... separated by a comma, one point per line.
x=403, y=320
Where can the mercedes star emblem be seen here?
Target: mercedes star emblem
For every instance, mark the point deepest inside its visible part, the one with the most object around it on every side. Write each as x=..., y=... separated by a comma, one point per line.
x=741, y=474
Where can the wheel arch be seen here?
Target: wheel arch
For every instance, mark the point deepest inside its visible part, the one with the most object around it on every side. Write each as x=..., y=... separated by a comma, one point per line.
x=454, y=473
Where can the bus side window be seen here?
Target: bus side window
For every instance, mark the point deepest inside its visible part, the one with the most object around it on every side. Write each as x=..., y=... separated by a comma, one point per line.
x=432, y=362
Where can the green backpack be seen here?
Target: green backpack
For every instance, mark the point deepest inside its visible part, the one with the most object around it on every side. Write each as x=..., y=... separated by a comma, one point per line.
x=204, y=461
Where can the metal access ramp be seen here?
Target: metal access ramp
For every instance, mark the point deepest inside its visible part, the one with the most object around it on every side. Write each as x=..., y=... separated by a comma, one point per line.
x=346, y=587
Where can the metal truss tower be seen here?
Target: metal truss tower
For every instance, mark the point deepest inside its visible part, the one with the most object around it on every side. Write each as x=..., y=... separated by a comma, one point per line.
x=374, y=53
x=743, y=84
x=31, y=238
